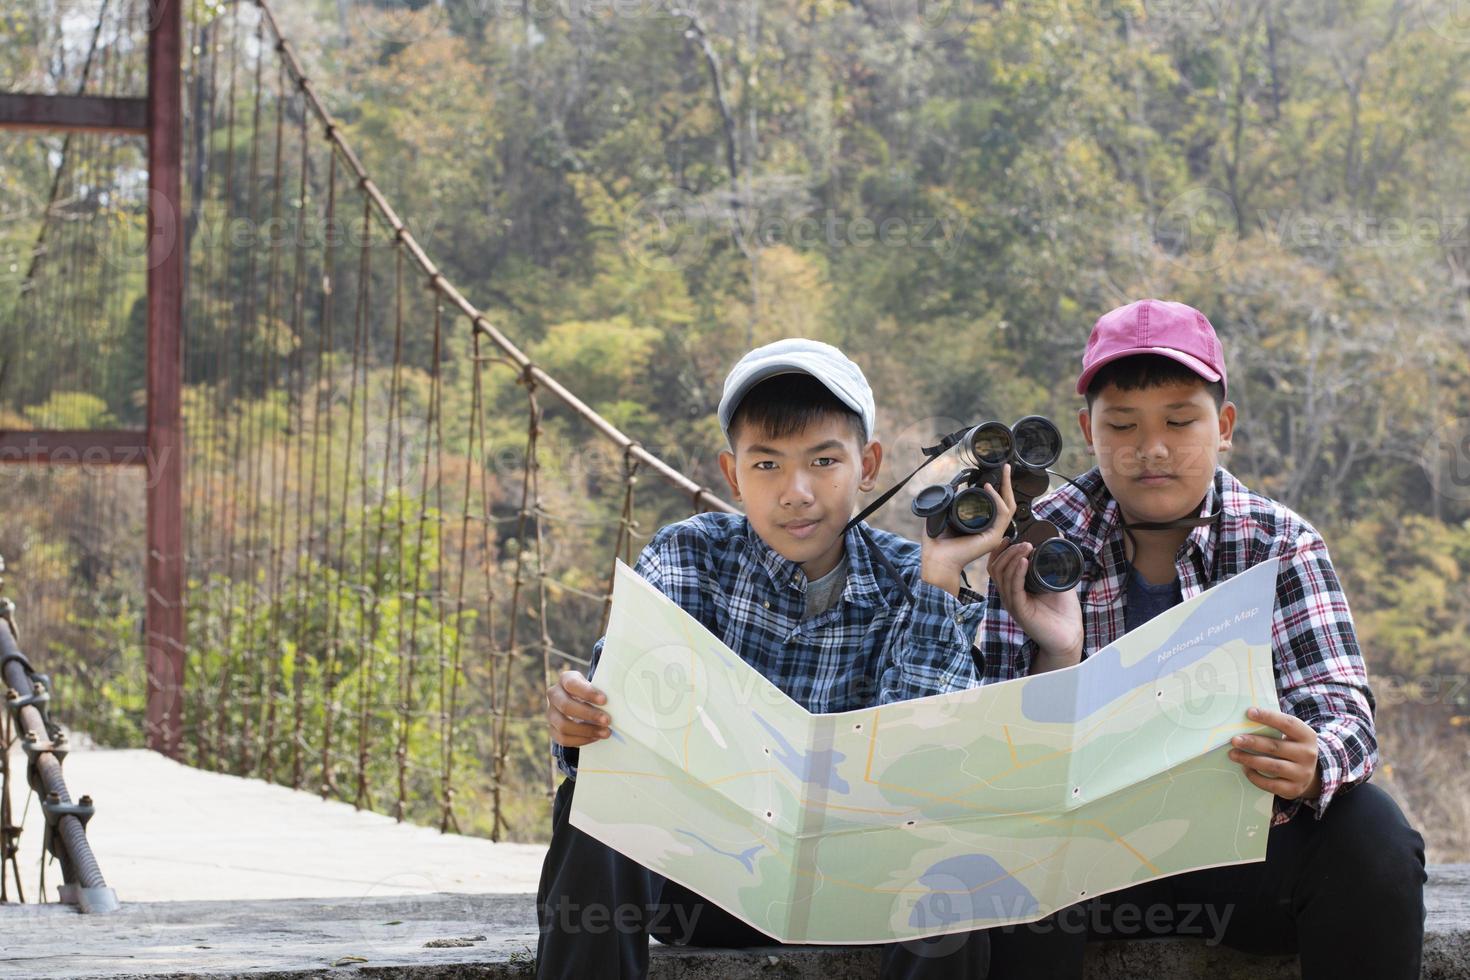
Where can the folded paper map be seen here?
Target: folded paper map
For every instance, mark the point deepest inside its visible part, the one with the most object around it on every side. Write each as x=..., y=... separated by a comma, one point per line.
x=960, y=811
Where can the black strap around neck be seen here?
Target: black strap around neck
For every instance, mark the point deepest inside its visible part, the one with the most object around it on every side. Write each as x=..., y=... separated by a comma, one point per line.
x=931, y=453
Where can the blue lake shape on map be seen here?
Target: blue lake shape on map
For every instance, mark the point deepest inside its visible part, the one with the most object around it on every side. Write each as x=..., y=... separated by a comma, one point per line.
x=991, y=893
x=818, y=766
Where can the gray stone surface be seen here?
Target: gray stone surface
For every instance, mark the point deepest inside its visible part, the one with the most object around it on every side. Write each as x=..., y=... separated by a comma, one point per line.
x=402, y=937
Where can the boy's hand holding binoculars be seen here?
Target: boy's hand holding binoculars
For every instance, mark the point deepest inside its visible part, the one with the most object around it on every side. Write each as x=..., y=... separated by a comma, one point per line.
x=1052, y=619
x=943, y=558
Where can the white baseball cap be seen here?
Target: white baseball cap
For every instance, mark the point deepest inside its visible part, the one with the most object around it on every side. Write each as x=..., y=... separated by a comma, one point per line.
x=798, y=355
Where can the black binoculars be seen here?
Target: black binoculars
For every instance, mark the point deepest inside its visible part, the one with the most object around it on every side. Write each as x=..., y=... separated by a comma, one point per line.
x=963, y=506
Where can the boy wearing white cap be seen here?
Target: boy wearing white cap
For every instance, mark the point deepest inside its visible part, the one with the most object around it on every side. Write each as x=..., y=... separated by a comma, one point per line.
x=839, y=618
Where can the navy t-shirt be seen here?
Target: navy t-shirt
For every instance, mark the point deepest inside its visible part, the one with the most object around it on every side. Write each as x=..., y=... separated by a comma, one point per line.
x=1145, y=600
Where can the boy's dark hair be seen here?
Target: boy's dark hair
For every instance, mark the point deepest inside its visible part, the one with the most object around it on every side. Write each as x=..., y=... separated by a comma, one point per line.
x=1149, y=371
x=786, y=404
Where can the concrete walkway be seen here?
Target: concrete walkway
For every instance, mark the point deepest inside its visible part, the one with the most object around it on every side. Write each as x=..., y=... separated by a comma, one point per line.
x=166, y=832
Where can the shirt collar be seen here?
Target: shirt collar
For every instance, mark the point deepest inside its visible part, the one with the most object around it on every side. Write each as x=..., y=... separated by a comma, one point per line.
x=862, y=585
x=1204, y=540
x=1101, y=526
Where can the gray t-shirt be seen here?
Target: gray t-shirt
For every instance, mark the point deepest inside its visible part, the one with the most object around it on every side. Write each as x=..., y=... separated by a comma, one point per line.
x=822, y=594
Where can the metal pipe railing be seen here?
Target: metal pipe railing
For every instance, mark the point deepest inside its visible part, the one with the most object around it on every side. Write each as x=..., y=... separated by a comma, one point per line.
x=26, y=695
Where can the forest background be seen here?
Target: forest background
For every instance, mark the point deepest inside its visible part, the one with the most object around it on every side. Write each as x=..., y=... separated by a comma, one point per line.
x=640, y=191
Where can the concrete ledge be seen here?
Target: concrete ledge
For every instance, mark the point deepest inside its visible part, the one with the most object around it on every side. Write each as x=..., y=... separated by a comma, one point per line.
x=445, y=936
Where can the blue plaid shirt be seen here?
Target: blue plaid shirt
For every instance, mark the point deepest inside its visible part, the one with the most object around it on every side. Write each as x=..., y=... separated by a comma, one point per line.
x=871, y=647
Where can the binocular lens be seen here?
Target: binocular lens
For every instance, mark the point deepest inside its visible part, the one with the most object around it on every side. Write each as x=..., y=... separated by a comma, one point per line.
x=990, y=443
x=1038, y=443
x=931, y=500
x=1056, y=565
x=974, y=509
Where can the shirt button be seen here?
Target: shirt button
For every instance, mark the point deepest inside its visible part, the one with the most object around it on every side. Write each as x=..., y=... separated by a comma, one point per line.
x=767, y=603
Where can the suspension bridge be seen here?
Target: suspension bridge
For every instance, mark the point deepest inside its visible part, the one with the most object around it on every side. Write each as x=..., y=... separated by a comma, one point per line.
x=307, y=524
x=351, y=585
x=358, y=572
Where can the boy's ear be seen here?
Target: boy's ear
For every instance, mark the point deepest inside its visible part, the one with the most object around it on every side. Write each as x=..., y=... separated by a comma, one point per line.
x=872, y=463
x=1227, y=426
x=1084, y=422
x=727, y=467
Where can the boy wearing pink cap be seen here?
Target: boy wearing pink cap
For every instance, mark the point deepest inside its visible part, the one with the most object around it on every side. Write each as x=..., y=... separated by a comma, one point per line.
x=1159, y=521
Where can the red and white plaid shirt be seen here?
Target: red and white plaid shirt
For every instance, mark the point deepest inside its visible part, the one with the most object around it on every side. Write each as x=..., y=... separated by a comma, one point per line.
x=1320, y=674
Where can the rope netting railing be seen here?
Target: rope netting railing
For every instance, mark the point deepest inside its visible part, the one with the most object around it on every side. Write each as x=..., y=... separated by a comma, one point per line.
x=398, y=527
x=71, y=337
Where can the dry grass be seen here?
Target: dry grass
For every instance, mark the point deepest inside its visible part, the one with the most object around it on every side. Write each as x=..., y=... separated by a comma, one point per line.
x=1424, y=762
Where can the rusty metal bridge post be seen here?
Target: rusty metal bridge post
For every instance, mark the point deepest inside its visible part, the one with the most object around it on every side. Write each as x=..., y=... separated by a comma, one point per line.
x=159, y=447
x=164, y=612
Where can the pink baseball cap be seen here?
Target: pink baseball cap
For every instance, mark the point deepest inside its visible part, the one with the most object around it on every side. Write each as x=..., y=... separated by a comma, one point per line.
x=1154, y=326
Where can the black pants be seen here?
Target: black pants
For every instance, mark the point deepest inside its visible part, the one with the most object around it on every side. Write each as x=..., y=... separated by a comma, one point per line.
x=1345, y=893
x=597, y=908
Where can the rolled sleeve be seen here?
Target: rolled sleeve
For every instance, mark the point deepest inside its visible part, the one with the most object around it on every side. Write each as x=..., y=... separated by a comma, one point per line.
x=1321, y=675
x=1002, y=650
x=566, y=758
